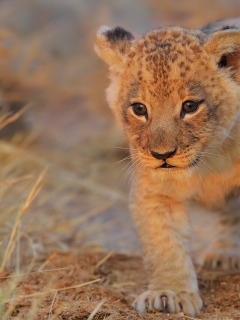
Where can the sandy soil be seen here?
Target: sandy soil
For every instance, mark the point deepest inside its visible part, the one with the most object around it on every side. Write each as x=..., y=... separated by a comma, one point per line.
x=119, y=279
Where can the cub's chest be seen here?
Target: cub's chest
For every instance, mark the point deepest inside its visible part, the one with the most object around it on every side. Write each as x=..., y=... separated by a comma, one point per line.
x=217, y=189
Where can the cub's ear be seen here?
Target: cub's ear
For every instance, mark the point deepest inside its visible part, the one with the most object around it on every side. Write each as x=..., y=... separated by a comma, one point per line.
x=224, y=47
x=112, y=44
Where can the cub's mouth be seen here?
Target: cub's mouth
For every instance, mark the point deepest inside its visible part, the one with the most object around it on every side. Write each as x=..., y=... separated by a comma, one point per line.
x=169, y=166
x=166, y=165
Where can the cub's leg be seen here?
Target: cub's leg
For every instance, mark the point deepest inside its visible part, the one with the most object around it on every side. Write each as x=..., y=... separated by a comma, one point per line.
x=164, y=229
x=224, y=252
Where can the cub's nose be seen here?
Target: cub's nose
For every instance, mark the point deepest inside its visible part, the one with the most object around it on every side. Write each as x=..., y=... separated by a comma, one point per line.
x=163, y=156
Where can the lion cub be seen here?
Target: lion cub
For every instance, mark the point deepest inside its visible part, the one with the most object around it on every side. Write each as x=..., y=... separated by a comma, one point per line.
x=176, y=93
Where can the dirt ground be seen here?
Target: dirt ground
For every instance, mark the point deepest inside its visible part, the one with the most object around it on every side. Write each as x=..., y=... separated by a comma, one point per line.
x=118, y=280
x=81, y=212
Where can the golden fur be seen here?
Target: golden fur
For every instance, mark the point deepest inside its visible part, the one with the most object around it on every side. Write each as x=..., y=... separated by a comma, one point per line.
x=161, y=70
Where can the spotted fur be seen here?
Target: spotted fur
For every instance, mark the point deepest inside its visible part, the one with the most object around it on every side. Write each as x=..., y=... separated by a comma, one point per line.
x=161, y=70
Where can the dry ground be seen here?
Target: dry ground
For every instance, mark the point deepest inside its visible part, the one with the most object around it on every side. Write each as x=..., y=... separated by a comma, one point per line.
x=118, y=280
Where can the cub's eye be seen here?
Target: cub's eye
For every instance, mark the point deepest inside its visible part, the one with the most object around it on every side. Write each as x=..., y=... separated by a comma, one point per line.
x=189, y=107
x=139, y=109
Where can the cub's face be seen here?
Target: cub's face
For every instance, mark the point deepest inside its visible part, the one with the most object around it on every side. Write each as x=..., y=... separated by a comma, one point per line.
x=176, y=93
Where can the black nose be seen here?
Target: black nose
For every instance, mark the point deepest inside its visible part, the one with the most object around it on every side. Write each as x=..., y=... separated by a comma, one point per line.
x=163, y=156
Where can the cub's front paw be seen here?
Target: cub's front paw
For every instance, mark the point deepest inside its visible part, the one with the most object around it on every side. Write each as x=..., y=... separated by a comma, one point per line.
x=226, y=259
x=169, y=301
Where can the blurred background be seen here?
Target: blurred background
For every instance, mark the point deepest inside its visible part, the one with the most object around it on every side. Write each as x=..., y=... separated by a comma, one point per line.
x=52, y=81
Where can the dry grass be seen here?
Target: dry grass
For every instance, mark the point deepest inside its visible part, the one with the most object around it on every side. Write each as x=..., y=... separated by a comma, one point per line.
x=13, y=257
x=13, y=238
